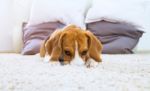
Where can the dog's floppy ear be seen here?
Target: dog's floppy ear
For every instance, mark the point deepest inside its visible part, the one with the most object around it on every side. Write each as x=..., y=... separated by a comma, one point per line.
x=95, y=46
x=43, y=49
x=53, y=46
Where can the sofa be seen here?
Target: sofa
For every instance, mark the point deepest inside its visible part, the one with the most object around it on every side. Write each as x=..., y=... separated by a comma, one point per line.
x=88, y=15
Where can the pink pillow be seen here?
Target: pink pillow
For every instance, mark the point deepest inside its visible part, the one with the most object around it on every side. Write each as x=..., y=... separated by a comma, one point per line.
x=35, y=34
x=117, y=38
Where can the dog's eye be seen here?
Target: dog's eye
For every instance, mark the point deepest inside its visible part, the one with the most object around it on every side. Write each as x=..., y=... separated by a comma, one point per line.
x=68, y=53
x=84, y=53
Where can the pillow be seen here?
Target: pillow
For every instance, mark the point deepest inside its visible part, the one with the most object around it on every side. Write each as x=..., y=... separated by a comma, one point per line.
x=116, y=37
x=130, y=11
x=65, y=11
x=35, y=34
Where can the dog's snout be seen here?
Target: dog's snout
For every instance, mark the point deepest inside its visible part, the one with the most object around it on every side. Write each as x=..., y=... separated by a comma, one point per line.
x=61, y=60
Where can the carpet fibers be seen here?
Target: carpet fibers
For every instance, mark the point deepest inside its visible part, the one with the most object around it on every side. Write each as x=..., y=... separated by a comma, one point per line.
x=115, y=73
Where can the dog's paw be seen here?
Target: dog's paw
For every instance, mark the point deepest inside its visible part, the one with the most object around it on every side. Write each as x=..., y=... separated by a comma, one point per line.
x=46, y=59
x=91, y=63
x=54, y=63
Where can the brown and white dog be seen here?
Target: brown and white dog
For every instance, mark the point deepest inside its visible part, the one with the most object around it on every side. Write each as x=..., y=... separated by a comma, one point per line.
x=72, y=45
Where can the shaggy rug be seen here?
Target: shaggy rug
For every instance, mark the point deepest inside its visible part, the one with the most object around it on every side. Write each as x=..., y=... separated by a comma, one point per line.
x=115, y=73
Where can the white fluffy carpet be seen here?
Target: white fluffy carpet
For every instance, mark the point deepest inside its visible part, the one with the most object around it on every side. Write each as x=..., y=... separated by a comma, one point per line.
x=115, y=73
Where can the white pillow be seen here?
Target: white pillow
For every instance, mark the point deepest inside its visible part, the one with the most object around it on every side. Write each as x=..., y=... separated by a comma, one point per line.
x=65, y=11
x=131, y=11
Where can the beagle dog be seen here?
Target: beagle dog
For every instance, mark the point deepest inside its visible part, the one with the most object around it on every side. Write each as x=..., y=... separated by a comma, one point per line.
x=72, y=45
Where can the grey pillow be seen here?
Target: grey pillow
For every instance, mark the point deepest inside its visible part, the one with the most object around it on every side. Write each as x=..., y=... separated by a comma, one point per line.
x=117, y=38
x=34, y=35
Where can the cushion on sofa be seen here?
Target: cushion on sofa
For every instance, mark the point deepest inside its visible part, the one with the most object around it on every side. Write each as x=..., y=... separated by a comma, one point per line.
x=116, y=37
x=131, y=11
x=35, y=34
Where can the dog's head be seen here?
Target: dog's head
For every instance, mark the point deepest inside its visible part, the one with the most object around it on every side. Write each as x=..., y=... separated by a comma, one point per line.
x=70, y=43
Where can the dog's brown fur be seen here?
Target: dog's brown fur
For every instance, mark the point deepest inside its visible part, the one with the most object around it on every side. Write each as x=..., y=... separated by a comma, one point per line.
x=62, y=42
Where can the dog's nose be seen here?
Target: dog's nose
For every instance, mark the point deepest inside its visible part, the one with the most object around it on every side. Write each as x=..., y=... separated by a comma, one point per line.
x=61, y=60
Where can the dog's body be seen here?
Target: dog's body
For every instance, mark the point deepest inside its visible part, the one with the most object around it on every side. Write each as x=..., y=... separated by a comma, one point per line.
x=72, y=45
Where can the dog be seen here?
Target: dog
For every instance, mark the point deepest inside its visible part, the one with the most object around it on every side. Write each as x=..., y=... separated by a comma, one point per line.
x=72, y=45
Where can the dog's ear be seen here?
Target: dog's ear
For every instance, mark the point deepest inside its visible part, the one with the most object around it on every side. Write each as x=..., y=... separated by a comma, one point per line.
x=56, y=49
x=95, y=46
x=46, y=46
x=43, y=49
x=53, y=46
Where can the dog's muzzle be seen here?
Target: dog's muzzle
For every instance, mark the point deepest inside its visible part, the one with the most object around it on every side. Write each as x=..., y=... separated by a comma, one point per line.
x=61, y=60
